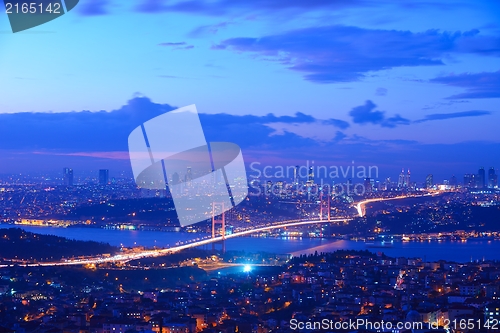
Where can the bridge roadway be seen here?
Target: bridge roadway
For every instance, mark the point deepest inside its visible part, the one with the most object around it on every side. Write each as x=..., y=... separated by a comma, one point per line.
x=360, y=207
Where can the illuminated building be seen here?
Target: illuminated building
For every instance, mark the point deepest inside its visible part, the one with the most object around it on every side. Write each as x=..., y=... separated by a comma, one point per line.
x=453, y=181
x=368, y=185
x=68, y=176
x=404, y=179
x=310, y=178
x=492, y=178
x=401, y=179
x=296, y=175
x=103, y=176
x=481, y=177
x=469, y=180
x=407, y=179
x=429, y=181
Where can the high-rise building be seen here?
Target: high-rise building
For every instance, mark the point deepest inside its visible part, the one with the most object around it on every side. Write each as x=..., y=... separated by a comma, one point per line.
x=310, y=177
x=368, y=185
x=481, y=178
x=401, y=179
x=388, y=184
x=429, y=181
x=103, y=177
x=407, y=179
x=68, y=177
x=453, y=181
x=189, y=174
x=470, y=180
x=492, y=178
x=296, y=175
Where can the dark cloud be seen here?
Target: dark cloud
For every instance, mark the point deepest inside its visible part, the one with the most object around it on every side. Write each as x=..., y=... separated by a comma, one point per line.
x=94, y=140
x=336, y=122
x=444, y=116
x=108, y=131
x=342, y=53
x=93, y=7
x=366, y=114
x=478, y=85
x=395, y=121
x=177, y=45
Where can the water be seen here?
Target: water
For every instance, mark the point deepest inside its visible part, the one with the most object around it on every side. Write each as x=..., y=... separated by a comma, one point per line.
x=448, y=250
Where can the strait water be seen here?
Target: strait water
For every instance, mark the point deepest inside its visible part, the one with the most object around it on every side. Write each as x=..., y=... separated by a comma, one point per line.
x=459, y=251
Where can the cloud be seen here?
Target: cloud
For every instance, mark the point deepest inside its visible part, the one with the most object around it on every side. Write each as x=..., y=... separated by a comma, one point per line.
x=70, y=132
x=95, y=140
x=212, y=29
x=177, y=45
x=336, y=122
x=366, y=114
x=222, y=7
x=444, y=116
x=172, y=44
x=381, y=92
x=93, y=7
x=246, y=7
x=441, y=104
x=338, y=53
x=478, y=85
x=395, y=121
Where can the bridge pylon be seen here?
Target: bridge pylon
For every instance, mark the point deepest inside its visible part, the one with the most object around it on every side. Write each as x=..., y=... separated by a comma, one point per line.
x=321, y=209
x=223, y=225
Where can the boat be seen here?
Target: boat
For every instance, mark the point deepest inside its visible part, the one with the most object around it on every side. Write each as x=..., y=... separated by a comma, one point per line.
x=381, y=244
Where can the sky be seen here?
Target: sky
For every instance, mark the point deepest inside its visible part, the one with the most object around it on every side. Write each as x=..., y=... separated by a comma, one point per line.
x=396, y=84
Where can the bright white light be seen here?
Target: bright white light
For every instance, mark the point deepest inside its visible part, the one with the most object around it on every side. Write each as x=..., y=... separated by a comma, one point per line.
x=247, y=268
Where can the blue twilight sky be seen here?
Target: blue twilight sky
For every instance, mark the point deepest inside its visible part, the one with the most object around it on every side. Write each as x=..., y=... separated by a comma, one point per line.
x=412, y=84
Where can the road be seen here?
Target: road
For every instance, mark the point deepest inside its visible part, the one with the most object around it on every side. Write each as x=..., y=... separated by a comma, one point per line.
x=360, y=206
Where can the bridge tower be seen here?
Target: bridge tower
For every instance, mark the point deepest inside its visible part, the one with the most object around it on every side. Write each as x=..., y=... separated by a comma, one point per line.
x=222, y=221
x=321, y=209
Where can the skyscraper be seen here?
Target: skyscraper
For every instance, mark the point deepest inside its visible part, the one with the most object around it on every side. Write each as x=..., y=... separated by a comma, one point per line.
x=368, y=185
x=492, y=178
x=296, y=175
x=401, y=179
x=68, y=177
x=469, y=180
x=481, y=178
x=310, y=178
x=407, y=179
x=429, y=181
x=453, y=181
x=103, y=176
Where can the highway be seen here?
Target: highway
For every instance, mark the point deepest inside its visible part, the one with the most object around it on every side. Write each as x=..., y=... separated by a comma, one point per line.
x=360, y=206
